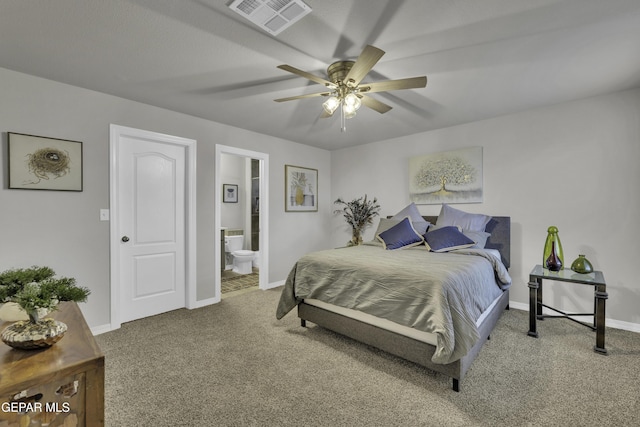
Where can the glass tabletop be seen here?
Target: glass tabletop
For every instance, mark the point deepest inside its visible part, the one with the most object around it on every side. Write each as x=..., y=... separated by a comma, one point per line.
x=568, y=275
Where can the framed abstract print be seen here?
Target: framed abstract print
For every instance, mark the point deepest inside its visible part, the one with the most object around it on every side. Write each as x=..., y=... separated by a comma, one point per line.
x=300, y=189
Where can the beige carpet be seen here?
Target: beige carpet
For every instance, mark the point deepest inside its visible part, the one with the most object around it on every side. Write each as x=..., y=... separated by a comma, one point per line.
x=234, y=364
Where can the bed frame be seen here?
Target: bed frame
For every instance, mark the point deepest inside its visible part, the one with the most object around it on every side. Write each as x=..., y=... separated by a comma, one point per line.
x=409, y=348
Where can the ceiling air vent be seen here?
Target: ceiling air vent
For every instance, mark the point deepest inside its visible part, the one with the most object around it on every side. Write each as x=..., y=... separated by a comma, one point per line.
x=273, y=16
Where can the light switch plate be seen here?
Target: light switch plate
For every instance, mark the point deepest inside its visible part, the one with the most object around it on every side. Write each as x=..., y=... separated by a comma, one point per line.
x=104, y=214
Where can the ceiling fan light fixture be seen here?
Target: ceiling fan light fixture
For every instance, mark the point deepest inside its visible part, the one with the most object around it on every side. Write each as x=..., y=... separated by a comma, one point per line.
x=352, y=101
x=344, y=81
x=331, y=104
x=349, y=110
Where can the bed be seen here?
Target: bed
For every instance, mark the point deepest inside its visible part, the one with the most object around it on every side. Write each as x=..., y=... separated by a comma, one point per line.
x=368, y=293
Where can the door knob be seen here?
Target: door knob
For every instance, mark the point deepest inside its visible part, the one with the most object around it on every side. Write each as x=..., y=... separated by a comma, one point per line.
x=125, y=239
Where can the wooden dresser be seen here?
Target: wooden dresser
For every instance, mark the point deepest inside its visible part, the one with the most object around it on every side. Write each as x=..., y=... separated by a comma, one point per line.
x=62, y=385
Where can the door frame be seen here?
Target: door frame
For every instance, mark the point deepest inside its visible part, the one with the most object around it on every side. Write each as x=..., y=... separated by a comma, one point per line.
x=263, y=281
x=116, y=132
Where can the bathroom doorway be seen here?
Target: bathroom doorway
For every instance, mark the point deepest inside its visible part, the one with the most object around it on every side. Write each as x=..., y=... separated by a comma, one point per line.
x=241, y=218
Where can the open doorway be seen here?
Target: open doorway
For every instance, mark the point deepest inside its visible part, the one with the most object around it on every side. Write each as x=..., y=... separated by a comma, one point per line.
x=241, y=218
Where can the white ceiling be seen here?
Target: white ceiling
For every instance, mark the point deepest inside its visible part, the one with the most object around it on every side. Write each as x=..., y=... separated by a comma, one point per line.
x=483, y=58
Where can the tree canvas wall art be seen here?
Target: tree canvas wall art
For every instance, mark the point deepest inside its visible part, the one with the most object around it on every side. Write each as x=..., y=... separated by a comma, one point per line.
x=446, y=177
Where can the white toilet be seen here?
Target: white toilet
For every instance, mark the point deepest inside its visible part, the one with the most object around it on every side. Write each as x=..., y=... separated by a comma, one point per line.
x=242, y=259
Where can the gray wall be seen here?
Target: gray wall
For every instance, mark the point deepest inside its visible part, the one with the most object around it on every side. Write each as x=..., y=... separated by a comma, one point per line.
x=62, y=229
x=574, y=165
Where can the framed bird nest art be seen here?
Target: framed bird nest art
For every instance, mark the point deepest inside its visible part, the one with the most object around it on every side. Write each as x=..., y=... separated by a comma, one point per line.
x=41, y=163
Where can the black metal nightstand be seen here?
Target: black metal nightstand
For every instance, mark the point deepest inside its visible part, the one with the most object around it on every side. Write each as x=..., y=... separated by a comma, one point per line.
x=596, y=279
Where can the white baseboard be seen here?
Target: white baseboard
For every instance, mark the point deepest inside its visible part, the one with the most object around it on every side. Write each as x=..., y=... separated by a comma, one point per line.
x=610, y=323
x=204, y=303
x=275, y=284
x=101, y=329
x=519, y=306
x=97, y=330
x=625, y=326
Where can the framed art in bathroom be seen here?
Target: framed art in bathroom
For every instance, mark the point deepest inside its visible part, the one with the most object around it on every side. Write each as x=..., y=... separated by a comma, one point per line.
x=229, y=193
x=41, y=163
x=300, y=189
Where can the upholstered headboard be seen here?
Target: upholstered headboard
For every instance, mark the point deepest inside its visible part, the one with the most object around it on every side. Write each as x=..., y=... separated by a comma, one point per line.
x=500, y=229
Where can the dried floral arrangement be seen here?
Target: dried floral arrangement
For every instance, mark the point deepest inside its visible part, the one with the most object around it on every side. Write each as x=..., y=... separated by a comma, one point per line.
x=358, y=213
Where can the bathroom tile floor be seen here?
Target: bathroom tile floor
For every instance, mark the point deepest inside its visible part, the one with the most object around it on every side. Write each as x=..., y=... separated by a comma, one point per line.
x=232, y=282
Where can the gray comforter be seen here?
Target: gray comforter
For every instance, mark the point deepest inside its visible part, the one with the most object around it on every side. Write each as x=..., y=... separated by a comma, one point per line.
x=441, y=293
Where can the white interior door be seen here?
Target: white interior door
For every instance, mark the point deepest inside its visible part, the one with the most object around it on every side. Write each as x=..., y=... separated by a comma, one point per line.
x=150, y=226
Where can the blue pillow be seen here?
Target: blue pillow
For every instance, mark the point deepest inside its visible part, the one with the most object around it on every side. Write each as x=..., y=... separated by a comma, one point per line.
x=446, y=239
x=401, y=235
x=419, y=224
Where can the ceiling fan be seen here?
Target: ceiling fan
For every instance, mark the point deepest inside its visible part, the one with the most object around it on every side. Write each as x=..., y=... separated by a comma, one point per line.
x=346, y=89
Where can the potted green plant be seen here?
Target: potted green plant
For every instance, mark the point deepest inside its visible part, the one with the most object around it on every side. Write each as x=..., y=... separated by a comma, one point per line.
x=37, y=291
x=358, y=213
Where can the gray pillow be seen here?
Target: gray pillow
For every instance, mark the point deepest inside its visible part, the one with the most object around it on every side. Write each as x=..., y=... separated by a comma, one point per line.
x=419, y=224
x=384, y=225
x=464, y=220
x=480, y=237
